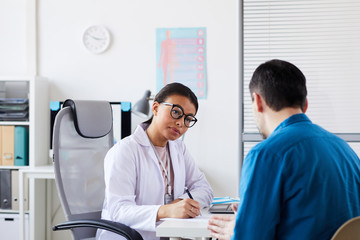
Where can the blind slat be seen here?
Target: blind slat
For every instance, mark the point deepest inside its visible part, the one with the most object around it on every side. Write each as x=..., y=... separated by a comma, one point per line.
x=322, y=38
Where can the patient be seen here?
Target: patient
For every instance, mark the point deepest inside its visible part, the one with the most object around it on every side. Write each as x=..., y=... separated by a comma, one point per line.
x=146, y=173
x=301, y=182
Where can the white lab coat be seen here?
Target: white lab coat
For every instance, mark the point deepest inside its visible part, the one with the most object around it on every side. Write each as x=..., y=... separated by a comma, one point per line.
x=135, y=187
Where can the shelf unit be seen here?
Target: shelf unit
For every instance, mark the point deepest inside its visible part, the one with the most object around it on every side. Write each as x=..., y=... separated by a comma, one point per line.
x=36, y=90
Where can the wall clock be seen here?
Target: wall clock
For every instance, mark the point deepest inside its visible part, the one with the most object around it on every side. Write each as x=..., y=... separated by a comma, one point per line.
x=96, y=39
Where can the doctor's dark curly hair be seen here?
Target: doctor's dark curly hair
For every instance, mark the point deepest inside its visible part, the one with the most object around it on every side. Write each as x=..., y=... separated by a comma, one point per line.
x=175, y=89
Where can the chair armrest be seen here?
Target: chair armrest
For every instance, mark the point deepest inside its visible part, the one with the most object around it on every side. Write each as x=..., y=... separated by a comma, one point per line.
x=115, y=227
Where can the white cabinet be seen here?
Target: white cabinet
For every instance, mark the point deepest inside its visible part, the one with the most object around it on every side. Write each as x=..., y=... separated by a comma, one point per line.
x=9, y=226
x=35, y=89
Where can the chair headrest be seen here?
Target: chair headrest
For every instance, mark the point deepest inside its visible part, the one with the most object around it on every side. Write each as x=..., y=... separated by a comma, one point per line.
x=92, y=119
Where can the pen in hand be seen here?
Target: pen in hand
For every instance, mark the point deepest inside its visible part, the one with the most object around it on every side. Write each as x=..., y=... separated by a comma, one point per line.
x=189, y=194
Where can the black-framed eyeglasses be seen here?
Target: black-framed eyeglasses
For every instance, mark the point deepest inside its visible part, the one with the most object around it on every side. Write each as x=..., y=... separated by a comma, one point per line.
x=177, y=112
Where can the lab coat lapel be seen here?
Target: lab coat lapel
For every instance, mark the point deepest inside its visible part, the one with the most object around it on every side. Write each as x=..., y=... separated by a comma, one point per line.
x=178, y=172
x=143, y=139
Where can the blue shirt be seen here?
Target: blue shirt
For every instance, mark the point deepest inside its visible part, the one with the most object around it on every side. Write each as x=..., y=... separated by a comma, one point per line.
x=301, y=183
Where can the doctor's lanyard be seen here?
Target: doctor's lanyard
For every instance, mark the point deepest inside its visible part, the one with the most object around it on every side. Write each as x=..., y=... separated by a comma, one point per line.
x=168, y=198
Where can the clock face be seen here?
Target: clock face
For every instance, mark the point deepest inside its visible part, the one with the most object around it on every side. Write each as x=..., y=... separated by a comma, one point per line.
x=96, y=39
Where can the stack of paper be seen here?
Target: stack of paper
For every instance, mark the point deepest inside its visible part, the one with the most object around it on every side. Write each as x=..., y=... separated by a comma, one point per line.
x=14, y=109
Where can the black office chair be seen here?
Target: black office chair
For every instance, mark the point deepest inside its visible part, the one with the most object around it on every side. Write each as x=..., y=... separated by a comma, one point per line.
x=82, y=136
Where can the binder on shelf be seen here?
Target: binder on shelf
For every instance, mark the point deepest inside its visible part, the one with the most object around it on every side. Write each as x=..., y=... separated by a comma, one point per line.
x=55, y=107
x=5, y=188
x=125, y=119
x=21, y=150
x=26, y=196
x=14, y=189
x=8, y=145
x=1, y=162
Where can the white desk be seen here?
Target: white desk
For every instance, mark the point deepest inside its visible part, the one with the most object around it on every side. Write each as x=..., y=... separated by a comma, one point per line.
x=185, y=228
x=32, y=173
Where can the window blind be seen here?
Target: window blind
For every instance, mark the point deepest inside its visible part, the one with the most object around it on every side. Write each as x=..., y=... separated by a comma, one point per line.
x=322, y=38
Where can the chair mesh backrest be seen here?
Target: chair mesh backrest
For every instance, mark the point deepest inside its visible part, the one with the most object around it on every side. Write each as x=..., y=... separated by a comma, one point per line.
x=79, y=163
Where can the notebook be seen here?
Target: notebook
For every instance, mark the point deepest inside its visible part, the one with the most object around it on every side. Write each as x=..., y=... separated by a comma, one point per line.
x=221, y=208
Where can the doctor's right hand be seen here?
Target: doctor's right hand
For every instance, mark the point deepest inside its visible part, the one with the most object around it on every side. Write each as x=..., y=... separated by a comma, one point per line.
x=179, y=208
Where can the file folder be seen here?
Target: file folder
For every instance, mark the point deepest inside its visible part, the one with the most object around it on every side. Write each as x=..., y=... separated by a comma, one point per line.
x=5, y=188
x=21, y=146
x=14, y=189
x=55, y=107
x=8, y=145
x=1, y=162
x=125, y=119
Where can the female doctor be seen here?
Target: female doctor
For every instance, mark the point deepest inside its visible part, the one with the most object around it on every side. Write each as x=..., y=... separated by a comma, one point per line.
x=146, y=173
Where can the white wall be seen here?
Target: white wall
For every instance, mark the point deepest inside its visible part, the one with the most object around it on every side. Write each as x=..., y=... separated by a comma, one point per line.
x=12, y=37
x=128, y=68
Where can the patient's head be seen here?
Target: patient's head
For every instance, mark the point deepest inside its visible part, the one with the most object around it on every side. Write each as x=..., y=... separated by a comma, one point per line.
x=280, y=83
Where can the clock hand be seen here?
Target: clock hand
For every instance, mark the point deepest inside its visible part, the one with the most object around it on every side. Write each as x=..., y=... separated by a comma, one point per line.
x=96, y=38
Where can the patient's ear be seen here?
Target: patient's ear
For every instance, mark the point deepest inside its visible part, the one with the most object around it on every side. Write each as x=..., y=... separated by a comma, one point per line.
x=306, y=106
x=258, y=102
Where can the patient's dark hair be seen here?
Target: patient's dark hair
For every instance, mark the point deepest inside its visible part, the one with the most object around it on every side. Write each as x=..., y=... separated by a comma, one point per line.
x=280, y=83
x=175, y=89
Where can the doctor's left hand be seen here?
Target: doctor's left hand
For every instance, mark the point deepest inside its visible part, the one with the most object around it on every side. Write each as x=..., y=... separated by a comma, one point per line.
x=179, y=208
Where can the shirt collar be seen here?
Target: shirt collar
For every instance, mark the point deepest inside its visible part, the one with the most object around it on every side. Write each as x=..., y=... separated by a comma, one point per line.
x=300, y=117
x=140, y=134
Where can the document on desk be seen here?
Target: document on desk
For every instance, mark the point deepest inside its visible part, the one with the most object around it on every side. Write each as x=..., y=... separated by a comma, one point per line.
x=177, y=228
x=195, y=219
x=205, y=215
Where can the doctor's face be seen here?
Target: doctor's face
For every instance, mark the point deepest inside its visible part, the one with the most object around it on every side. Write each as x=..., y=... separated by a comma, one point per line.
x=168, y=126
